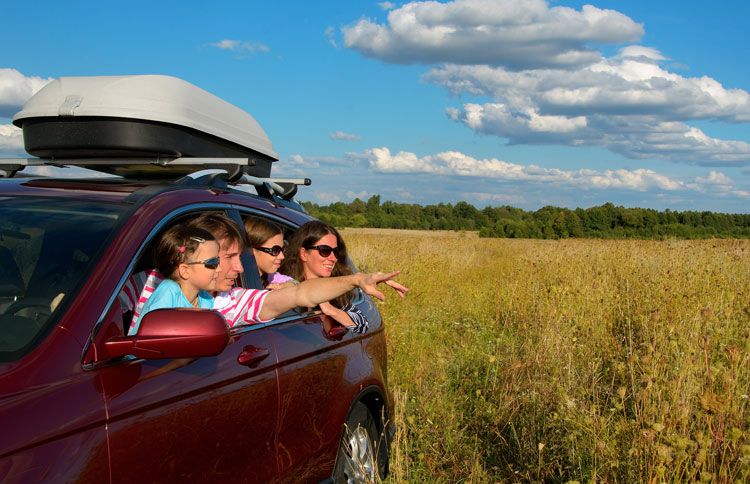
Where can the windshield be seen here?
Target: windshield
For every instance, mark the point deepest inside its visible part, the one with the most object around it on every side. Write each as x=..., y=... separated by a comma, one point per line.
x=45, y=248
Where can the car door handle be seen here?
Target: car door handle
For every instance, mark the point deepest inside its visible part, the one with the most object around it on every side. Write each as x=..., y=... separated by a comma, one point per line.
x=252, y=355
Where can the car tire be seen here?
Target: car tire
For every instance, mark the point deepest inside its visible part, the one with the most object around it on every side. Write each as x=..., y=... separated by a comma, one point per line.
x=358, y=459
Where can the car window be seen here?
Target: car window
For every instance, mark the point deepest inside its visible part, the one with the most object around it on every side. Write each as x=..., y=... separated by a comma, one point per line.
x=46, y=247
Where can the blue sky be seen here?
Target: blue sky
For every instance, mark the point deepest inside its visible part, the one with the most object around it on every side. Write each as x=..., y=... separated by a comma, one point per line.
x=525, y=103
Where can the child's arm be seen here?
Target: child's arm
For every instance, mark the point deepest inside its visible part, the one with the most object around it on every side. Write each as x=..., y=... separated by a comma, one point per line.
x=349, y=316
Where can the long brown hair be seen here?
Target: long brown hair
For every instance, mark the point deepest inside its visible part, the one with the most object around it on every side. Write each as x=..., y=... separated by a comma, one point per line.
x=306, y=237
x=259, y=230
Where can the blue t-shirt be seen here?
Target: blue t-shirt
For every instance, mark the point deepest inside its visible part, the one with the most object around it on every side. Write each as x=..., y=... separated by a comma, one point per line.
x=168, y=294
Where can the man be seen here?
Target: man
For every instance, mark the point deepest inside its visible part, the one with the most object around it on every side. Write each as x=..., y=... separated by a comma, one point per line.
x=242, y=305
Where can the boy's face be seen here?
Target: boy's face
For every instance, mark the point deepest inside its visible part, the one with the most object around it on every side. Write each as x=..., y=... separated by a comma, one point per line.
x=230, y=266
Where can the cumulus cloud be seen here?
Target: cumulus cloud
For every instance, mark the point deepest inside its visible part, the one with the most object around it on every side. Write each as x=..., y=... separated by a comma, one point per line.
x=241, y=47
x=495, y=198
x=460, y=164
x=16, y=89
x=344, y=136
x=363, y=195
x=497, y=32
x=628, y=104
x=330, y=34
x=387, y=5
x=11, y=140
x=545, y=82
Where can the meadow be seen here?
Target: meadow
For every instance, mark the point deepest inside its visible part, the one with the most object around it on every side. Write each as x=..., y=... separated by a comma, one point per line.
x=573, y=360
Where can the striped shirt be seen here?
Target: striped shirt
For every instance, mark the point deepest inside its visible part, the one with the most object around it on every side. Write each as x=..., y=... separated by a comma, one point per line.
x=238, y=305
x=361, y=324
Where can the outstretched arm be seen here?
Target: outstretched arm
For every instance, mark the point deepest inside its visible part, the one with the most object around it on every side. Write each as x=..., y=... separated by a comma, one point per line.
x=312, y=292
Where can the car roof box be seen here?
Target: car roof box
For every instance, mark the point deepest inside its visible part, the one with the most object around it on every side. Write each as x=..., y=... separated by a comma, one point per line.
x=139, y=117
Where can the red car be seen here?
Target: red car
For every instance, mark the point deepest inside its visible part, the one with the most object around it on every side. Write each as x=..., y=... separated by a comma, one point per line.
x=296, y=399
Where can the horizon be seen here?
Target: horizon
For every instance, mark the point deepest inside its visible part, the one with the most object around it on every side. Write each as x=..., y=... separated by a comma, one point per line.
x=524, y=104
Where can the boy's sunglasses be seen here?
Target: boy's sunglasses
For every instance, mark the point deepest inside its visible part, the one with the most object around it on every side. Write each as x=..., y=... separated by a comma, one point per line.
x=274, y=251
x=211, y=263
x=325, y=250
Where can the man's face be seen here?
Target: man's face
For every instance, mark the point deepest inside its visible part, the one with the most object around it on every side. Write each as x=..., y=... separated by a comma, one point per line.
x=230, y=266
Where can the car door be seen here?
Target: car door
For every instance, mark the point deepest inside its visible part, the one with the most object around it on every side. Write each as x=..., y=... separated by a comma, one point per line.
x=315, y=373
x=198, y=420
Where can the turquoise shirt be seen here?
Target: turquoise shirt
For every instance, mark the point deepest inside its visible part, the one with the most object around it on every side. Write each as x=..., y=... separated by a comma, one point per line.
x=169, y=295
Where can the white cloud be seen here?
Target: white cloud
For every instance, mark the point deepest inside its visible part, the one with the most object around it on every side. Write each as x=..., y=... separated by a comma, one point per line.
x=363, y=195
x=497, y=32
x=628, y=104
x=325, y=197
x=387, y=5
x=343, y=136
x=16, y=89
x=494, y=198
x=460, y=164
x=330, y=34
x=11, y=140
x=241, y=47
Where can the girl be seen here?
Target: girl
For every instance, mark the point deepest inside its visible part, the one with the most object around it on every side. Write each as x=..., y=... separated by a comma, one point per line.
x=267, y=242
x=317, y=250
x=189, y=257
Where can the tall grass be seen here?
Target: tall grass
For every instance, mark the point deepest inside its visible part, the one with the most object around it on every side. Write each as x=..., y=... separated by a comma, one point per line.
x=574, y=360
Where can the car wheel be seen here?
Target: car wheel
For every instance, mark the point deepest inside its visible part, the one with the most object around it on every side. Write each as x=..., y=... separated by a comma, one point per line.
x=357, y=459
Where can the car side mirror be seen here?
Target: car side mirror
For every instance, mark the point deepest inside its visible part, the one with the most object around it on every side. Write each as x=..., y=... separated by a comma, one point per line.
x=173, y=333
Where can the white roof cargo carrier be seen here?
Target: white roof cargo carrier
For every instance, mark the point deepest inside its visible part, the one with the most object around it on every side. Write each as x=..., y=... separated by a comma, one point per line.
x=148, y=126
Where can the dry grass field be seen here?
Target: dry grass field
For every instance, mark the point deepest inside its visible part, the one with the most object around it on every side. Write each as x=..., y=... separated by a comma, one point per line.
x=573, y=360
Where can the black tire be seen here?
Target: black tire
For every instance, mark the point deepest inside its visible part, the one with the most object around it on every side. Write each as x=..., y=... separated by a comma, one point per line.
x=360, y=458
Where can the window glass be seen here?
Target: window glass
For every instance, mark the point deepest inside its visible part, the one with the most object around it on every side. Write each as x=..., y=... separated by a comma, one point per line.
x=45, y=249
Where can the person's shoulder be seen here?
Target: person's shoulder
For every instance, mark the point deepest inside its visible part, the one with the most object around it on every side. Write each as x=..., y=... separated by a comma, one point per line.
x=278, y=278
x=167, y=288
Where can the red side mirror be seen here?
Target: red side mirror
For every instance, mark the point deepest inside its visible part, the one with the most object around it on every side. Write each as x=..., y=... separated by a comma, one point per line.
x=173, y=333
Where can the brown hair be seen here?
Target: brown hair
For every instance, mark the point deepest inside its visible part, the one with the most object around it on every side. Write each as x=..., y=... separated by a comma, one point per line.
x=176, y=245
x=306, y=237
x=259, y=230
x=221, y=226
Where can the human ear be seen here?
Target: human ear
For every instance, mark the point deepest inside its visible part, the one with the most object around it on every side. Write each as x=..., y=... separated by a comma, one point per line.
x=183, y=271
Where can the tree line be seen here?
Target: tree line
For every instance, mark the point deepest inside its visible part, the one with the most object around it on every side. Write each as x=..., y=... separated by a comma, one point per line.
x=605, y=221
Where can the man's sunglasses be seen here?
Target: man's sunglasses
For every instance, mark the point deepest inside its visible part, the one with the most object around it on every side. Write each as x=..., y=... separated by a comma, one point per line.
x=211, y=263
x=325, y=250
x=274, y=251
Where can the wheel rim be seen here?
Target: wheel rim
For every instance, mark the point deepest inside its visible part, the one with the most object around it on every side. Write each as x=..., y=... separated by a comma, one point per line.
x=360, y=465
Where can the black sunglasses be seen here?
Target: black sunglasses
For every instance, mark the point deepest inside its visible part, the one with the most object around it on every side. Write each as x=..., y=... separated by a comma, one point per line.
x=211, y=263
x=325, y=250
x=274, y=251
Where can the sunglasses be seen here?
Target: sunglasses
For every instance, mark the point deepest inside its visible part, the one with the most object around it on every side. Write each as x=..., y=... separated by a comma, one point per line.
x=325, y=250
x=211, y=263
x=274, y=251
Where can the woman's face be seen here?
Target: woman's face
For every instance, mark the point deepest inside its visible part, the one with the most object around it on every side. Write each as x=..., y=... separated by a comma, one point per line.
x=269, y=263
x=313, y=264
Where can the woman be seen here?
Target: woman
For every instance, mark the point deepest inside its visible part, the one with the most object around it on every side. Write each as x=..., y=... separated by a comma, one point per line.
x=317, y=250
x=267, y=242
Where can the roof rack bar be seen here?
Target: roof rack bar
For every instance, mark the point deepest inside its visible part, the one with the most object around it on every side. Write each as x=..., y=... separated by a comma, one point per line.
x=260, y=182
x=158, y=160
x=294, y=181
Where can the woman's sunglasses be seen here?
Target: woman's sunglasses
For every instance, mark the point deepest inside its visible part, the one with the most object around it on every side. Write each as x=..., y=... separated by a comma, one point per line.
x=274, y=251
x=325, y=250
x=211, y=263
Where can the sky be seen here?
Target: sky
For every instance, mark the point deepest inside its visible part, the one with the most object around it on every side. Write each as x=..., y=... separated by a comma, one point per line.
x=494, y=102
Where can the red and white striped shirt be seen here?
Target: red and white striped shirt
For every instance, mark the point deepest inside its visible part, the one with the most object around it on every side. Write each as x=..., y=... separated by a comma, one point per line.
x=238, y=306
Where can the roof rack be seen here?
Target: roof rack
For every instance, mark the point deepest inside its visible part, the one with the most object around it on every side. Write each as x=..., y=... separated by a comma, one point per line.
x=203, y=172
x=152, y=167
